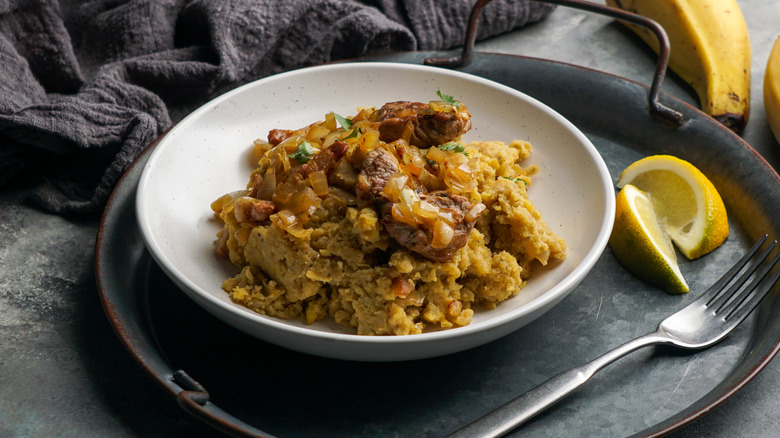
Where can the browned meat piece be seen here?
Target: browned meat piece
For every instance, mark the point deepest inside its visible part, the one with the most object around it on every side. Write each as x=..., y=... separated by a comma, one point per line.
x=247, y=208
x=276, y=136
x=426, y=127
x=419, y=239
x=399, y=109
x=325, y=161
x=377, y=167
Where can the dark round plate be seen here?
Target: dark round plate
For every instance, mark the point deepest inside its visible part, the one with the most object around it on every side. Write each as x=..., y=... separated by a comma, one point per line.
x=243, y=386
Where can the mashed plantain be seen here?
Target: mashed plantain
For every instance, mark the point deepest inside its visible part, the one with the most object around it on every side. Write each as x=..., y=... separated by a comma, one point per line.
x=384, y=222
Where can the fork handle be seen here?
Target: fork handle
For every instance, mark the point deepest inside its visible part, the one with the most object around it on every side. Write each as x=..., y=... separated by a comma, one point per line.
x=526, y=406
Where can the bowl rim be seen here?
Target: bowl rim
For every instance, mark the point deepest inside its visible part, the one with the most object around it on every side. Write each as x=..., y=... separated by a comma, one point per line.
x=556, y=292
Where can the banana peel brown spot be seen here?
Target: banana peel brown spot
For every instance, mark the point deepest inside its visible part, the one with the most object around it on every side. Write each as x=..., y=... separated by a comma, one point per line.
x=735, y=122
x=619, y=4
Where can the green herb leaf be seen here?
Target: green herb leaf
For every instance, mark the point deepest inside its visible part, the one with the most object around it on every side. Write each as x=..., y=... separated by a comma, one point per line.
x=515, y=179
x=303, y=154
x=352, y=134
x=344, y=122
x=447, y=98
x=454, y=147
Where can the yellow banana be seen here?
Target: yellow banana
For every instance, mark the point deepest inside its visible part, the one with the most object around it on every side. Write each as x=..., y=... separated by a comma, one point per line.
x=710, y=50
x=772, y=89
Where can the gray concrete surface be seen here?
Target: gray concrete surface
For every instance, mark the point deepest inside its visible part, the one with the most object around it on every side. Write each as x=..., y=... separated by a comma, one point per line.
x=63, y=372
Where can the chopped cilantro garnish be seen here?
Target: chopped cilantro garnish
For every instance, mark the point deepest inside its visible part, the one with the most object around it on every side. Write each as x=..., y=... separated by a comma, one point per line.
x=515, y=179
x=454, y=147
x=352, y=134
x=303, y=153
x=343, y=121
x=447, y=98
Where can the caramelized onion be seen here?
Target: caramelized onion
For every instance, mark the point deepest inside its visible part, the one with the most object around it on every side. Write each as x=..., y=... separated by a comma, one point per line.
x=403, y=213
x=319, y=182
x=369, y=140
x=330, y=122
x=259, y=148
x=402, y=150
x=317, y=132
x=290, y=223
x=436, y=155
x=225, y=202
x=330, y=139
x=413, y=168
x=394, y=185
x=408, y=130
x=280, y=158
x=283, y=193
x=284, y=219
x=220, y=203
x=457, y=158
x=442, y=234
x=425, y=211
x=428, y=180
x=446, y=216
x=291, y=144
x=363, y=114
x=474, y=212
x=303, y=200
x=408, y=197
x=267, y=187
x=441, y=107
x=460, y=177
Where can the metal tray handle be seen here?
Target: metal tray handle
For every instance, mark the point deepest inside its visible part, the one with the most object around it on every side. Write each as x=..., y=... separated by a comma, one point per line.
x=657, y=109
x=194, y=399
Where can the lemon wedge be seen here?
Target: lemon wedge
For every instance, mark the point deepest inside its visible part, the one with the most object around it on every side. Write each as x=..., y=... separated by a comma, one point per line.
x=640, y=243
x=686, y=202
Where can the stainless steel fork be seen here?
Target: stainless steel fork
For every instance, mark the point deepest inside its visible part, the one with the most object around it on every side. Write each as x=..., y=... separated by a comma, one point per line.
x=701, y=324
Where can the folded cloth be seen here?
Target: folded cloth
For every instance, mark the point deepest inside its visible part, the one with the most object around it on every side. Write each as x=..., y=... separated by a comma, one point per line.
x=87, y=85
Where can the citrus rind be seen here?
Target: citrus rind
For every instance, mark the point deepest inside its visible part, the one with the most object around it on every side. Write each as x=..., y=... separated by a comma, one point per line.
x=641, y=244
x=686, y=201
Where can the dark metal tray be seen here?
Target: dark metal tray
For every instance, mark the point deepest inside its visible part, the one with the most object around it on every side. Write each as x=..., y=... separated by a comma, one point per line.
x=242, y=385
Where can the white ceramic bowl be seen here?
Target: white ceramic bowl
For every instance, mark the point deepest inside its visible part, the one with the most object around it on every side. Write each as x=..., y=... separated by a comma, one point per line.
x=205, y=156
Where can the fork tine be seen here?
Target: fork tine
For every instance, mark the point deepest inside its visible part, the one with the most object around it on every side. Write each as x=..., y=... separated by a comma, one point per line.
x=747, y=305
x=719, y=286
x=722, y=298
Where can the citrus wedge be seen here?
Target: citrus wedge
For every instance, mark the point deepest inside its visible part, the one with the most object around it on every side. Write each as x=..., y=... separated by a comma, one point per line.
x=640, y=243
x=688, y=205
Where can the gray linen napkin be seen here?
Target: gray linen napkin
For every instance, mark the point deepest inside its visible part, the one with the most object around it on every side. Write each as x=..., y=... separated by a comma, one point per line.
x=87, y=85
